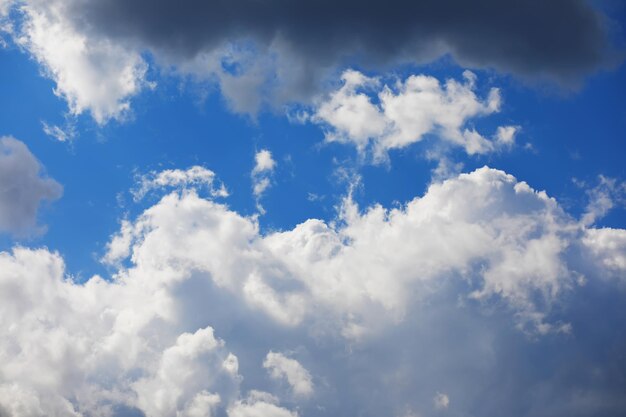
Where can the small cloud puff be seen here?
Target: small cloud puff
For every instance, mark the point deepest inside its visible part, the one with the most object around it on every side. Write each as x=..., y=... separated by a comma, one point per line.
x=280, y=366
x=263, y=168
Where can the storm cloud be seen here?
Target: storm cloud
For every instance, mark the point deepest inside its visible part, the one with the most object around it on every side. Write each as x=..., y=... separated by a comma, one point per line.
x=559, y=39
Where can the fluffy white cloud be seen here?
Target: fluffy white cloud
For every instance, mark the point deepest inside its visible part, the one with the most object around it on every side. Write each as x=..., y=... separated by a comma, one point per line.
x=263, y=162
x=350, y=294
x=485, y=227
x=609, y=248
x=280, y=366
x=23, y=187
x=91, y=73
x=185, y=371
x=404, y=113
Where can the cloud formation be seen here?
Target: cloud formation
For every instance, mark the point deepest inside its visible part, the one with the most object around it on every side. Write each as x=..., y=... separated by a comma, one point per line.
x=196, y=177
x=407, y=112
x=23, y=187
x=278, y=51
x=371, y=300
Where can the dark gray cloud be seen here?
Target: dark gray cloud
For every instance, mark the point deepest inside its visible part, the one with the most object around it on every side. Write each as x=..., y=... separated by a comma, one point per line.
x=22, y=187
x=558, y=39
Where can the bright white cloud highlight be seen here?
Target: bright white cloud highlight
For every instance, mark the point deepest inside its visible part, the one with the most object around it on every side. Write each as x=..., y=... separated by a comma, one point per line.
x=280, y=366
x=23, y=187
x=184, y=374
x=407, y=111
x=263, y=162
x=92, y=74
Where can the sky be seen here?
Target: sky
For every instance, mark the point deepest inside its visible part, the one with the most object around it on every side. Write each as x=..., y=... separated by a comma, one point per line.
x=314, y=208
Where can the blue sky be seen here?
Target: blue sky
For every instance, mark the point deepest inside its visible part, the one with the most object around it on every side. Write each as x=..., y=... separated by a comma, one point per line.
x=362, y=278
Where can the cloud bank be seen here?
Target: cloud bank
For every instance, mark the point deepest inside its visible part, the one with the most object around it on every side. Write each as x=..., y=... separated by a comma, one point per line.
x=390, y=307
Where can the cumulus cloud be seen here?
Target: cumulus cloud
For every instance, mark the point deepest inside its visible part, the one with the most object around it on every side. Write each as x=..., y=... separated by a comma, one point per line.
x=23, y=187
x=277, y=51
x=408, y=111
x=185, y=372
x=385, y=304
x=280, y=366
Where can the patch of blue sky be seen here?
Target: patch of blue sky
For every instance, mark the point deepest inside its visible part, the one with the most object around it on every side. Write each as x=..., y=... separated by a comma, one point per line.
x=564, y=135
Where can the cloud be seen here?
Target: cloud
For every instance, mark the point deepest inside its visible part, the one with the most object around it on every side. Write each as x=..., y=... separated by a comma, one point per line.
x=560, y=39
x=405, y=113
x=277, y=52
x=441, y=401
x=61, y=134
x=261, y=175
x=609, y=249
x=259, y=404
x=195, y=177
x=263, y=162
x=383, y=305
x=280, y=366
x=196, y=363
x=92, y=74
x=23, y=187
x=604, y=196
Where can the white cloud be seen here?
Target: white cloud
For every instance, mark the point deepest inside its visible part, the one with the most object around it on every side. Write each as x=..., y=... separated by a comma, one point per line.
x=179, y=384
x=352, y=293
x=23, y=187
x=485, y=226
x=263, y=162
x=407, y=111
x=261, y=175
x=195, y=177
x=280, y=366
x=609, y=248
x=604, y=196
x=92, y=74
